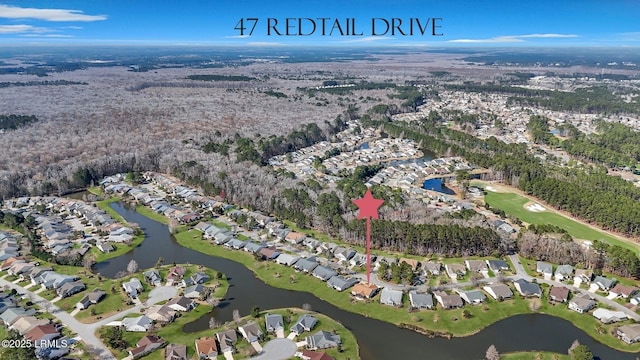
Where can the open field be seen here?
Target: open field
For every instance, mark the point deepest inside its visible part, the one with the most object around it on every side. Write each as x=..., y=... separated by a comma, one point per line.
x=514, y=204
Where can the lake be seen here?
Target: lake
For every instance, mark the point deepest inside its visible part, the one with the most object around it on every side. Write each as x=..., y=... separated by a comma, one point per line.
x=377, y=340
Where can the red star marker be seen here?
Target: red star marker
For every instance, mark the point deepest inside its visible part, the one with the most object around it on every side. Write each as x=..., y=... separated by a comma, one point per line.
x=367, y=209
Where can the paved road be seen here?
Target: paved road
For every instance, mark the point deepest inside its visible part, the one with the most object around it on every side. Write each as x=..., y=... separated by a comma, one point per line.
x=86, y=331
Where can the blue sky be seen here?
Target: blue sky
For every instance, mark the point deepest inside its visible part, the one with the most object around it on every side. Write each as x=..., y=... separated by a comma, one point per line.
x=464, y=23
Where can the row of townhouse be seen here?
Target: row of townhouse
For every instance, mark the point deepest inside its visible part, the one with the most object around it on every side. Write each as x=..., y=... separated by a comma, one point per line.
x=63, y=285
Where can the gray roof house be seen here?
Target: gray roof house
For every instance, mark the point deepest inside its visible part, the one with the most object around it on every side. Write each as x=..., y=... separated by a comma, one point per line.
x=235, y=244
x=629, y=333
x=305, y=322
x=194, y=292
x=253, y=247
x=181, y=303
x=322, y=340
x=564, y=272
x=273, y=322
x=604, y=283
x=498, y=291
x=527, y=289
x=11, y=315
x=474, y=297
x=391, y=297
x=137, y=324
x=448, y=301
x=153, y=277
x=420, y=301
x=93, y=297
x=251, y=331
x=287, y=259
x=581, y=303
x=70, y=288
x=344, y=254
x=324, y=273
x=497, y=265
x=176, y=352
x=455, y=271
x=478, y=266
x=340, y=283
x=306, y=265
x=132, y=287
x=431, y=268
x=544, y=268
x=227, y=339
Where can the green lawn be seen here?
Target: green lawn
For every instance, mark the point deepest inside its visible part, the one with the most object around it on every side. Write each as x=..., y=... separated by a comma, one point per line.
x=533, y=355
x=146, y=211
x=96, y=190
x=513, y=204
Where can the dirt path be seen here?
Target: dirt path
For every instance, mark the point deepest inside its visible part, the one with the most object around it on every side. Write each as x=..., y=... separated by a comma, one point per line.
x=501, y=188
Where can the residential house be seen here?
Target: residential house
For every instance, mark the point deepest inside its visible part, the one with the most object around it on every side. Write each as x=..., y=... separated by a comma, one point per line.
x=197, y=278
x=91, y=298
x=181, y=303
x=45, y=351
x=104, y=247
x=11, y=315
x=227, y=339
x=252, y=247
x=622, y=291
x=206, y=348
x=340, y=283
x=137, y=324
x=420, y=300
x=161, y=313
x=268, y=253
x=455, y=271
x=175, y=352
x=304, y=323
x=344, y=254
x=323, y=273
x=175, y=275
x=583, y=275
x=582, y=303
x=235, y=244
x=287, y=259
x=273, y=323
x=322, y=340
x=411, y=262
x=607, y=316
x=498, y=291
x=202, y=226
x=477, y=266
x=564, y=272
x=604, y=283
x=527, y=289
x=224, y=237
x=313, y=355
x=629, y=333
x=497, y=265
x=391, y=297
x=305, y=265
x=294, y=237
x=431, y=268
x=364, y=291
x=251, y=331
x=146, y=345
x=545, y=269
x=634, y=300
x=448, y=301
x=25, y=324
x=70, y=288
x=558, y=294
x=42, y=333
x=133, y=287
x=473, y=297
x=194, y=292
x=153, y=277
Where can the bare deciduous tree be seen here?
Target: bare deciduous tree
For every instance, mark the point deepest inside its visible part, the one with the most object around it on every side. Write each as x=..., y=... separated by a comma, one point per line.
x=132, y=267
x=492, y=353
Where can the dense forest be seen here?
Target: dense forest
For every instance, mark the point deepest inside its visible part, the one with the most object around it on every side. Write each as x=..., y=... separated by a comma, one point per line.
x=12, y=122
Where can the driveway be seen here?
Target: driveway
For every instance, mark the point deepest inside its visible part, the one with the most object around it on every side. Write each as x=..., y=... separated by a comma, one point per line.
x=277, y=349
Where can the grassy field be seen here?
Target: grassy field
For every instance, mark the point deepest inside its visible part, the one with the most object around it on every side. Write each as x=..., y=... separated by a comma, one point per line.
x=534, y=355
x=144, y=210
x=513, y=204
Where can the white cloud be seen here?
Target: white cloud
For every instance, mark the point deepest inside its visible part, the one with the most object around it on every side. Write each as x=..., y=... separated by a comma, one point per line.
x=19, y=29
x=47, y=35
x=264, y=43
x=368, y=39
x=513, y=38
x=14, y=12
x=237, y=36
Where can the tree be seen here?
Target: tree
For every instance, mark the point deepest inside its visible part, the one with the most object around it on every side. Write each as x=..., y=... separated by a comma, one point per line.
x=89, y=261
x=160, y=261
x=581, y=352
x=492, y=353
x=132, y=266
x=236, y=315
x=213, y=323
x=255, y=311
x=306, y=307
x=17, y=352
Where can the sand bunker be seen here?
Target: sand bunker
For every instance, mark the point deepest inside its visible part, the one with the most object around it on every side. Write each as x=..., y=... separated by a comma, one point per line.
x=491, y=188
x=535, y=207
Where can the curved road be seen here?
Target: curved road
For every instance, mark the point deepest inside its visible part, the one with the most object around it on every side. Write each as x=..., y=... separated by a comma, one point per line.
x=86, y=331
